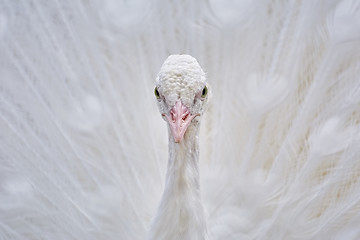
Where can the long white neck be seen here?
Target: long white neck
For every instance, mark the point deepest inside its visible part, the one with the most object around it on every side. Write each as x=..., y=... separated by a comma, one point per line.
x=181, y=213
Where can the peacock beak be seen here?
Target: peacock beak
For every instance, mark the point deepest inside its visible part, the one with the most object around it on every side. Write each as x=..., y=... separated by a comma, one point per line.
x=179, y=119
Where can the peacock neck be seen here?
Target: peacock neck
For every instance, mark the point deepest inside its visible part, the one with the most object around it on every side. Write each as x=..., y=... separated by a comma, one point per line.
x=181, y=214
x=183, y=165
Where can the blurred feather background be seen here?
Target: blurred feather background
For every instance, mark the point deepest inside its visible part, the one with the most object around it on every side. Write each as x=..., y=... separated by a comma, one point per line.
x=83, y=149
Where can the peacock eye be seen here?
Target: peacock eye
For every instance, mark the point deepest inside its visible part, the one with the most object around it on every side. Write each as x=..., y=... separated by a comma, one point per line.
x=156, y=92
x=204, y=92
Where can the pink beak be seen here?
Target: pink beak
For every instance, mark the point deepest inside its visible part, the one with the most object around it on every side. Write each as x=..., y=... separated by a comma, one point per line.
x=179, y=120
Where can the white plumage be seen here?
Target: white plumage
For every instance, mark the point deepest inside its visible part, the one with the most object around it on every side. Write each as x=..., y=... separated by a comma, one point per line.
x=83, y=148
x=181, y=92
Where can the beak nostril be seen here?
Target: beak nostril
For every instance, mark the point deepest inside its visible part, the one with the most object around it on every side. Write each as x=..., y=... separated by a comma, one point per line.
x=179, y=119
x=185, y=116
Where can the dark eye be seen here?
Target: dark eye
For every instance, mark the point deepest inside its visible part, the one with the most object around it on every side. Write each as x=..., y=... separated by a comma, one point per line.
x=204, y=92
x=156, y=92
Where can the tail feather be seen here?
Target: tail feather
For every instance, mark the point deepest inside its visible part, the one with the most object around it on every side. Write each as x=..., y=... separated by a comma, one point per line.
x=83, y=149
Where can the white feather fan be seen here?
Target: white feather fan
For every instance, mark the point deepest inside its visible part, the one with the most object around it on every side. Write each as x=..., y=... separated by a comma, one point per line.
x=83, y=148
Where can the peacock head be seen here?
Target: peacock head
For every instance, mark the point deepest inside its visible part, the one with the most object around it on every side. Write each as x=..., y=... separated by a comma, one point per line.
x=182, y=93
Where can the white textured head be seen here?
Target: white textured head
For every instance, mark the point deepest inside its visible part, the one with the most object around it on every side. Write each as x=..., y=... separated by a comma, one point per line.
x=181, y=91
